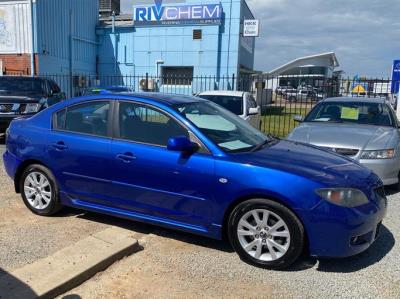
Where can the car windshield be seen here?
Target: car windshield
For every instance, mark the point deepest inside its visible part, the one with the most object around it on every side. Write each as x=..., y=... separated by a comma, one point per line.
x=352, y=112
x=229, y=132
x=13, y=85
x=232, y=103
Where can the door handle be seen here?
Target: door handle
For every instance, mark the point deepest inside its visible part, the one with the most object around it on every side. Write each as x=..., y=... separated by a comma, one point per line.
x=126, y=158
x=60, y=146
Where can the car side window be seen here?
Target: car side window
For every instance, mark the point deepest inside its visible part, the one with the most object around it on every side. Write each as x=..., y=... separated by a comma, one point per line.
x=251, y=102
x=88, y=118
x=143, y=124
x=54, y=87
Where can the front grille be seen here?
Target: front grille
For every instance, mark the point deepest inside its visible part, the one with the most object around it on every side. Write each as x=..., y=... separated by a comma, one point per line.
x=6, y=108
x=350, y=152
x=12, y=108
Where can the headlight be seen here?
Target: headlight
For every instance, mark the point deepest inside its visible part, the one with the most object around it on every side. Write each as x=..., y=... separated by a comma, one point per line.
x=380, y=154
x=32, y=108
x=345, y=197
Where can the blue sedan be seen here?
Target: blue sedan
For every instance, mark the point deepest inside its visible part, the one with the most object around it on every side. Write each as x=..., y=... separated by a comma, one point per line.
x=189, y=164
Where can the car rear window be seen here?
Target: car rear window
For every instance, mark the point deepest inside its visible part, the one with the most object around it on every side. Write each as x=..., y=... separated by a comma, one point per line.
x=232, y=103
x=87, y=118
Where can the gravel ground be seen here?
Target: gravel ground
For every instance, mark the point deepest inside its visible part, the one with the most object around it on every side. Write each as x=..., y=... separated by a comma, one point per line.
x=177, y=265
x=25, y=237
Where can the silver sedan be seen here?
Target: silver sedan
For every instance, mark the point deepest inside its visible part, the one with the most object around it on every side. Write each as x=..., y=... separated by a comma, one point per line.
x=365, y=130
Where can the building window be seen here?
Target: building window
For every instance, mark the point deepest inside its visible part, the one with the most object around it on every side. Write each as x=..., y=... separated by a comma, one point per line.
x=172, y=75
x=197, y=34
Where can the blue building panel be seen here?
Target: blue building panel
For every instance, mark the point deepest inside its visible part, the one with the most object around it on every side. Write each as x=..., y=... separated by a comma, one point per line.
x=56, y=22
x=136, y=49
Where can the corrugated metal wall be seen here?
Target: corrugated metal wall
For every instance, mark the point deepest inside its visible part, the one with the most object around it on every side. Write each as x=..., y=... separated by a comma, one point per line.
x=15, y=27
x=54, y=27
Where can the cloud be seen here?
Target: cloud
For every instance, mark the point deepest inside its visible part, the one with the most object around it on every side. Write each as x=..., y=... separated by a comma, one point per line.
x=364, y=34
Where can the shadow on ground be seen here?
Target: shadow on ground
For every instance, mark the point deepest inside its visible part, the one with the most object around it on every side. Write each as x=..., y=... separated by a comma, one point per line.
x=373, y=255
x=159, y=231
x=11, y=287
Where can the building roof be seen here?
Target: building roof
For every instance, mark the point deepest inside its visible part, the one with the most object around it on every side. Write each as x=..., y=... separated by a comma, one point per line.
x=324, y=59
x=231, y=93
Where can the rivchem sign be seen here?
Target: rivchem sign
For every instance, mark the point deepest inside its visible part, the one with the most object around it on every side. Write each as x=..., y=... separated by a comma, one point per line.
x=177, y=14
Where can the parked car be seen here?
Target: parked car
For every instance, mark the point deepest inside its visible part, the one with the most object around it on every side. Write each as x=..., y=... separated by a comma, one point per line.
x=303, y=95
x=106, y=89
x=25, y=96
x=364, y=129
x=240, y=103
x=283, y=89
x=189, y=164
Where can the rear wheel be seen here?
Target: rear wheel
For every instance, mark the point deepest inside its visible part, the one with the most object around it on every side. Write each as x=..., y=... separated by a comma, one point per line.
x=266, y=234
x=39, y=190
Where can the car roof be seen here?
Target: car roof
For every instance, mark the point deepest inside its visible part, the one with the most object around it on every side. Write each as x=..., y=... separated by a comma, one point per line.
x=231, y=93
x=356, y=99
x=162, y=98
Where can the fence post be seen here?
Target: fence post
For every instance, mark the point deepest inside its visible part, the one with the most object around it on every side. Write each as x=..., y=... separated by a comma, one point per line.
x=147, y=82
x=233, y=82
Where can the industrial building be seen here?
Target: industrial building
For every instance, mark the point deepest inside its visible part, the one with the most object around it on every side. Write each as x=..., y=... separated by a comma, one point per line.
x=190, y=39
x=163, y=39
x=47, y=36
x=315, y=70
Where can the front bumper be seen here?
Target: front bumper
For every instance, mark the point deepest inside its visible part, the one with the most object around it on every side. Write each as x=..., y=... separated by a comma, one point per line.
x=335, y=231
x=386, y=169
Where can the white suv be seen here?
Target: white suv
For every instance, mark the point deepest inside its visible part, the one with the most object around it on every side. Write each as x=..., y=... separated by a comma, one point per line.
x=240, y=103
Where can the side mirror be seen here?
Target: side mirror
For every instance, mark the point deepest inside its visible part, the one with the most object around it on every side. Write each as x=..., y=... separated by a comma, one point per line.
x=254, y=111
x=182, y=144
x=298, y=118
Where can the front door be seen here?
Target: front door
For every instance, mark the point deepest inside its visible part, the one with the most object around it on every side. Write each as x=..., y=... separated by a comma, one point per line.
x=151, y=180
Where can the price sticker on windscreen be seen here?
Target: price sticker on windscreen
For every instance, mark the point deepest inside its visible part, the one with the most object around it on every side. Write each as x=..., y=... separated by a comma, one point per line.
x=350, y=113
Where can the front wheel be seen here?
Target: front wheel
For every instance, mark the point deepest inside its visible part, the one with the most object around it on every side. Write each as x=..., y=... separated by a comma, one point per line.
x=266, y=234
x=39, y=190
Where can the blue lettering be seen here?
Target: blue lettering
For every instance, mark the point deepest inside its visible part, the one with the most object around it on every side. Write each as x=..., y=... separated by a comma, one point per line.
x=158, y=13
x=141, y=13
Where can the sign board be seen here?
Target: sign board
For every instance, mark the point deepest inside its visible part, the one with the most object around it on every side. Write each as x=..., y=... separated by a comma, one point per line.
x=395, y=77
x=251, y=28
x=177, y=14
x=7, y=29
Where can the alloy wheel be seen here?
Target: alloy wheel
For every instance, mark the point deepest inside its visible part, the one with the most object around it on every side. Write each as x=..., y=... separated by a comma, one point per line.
x=37, y=190
x=264, y=235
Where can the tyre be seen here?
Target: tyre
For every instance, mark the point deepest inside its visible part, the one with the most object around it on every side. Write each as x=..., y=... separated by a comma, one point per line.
x=39, y=190
x=266, y=234
x=292, y=99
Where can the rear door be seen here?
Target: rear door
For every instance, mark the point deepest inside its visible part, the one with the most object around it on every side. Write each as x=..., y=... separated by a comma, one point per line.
x=79, y=151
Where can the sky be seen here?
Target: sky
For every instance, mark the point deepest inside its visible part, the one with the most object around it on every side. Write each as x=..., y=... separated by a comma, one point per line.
x=364, y=34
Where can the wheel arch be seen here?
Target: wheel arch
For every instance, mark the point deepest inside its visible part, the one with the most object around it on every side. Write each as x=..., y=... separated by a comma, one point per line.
x=244, y=198
x=20, y=170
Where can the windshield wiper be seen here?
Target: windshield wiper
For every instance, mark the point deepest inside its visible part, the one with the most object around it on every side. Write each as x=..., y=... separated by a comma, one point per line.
x=265, y=142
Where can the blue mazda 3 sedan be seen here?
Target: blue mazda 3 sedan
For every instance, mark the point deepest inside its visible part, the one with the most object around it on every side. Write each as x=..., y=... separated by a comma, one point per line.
x=189, y=164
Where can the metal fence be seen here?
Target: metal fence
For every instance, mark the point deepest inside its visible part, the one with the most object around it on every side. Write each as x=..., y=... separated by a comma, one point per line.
x=280, y=97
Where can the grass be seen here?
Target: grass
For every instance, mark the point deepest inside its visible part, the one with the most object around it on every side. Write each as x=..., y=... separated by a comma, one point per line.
x=279, y=122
